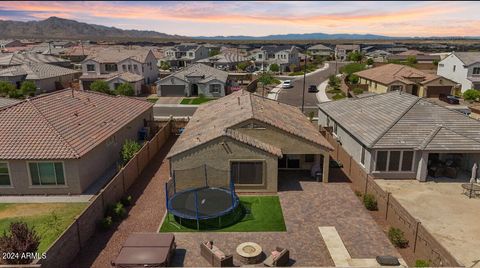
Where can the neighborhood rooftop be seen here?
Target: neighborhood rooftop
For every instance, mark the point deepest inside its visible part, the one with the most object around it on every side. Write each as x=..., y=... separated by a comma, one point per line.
x=468, y=58
x=217, y=118
x=7, y=59
x=401, y=120
x=114, y=55
x=390, y=73
x=207, y=73
x=65, y=124
x=36, y=71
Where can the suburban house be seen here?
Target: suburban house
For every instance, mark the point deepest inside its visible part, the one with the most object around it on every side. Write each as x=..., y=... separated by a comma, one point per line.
x=341, y=51
x=320, y=50
x=419, y=56
x=224, y=61
x=397, y=135
x=194, y=80
x=183, y=55
x=66, y=141
x=390, y=77
x=15, y=59
x=378, y=55
x=255, y=139
x=10, y=43
x=463, y=68
x=135, y=66
x=284, y=56
x=46, y=77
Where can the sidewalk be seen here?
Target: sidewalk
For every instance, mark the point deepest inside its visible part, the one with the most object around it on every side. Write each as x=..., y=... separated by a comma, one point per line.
x=273, y=94
x=287, y=77
x=322, y=94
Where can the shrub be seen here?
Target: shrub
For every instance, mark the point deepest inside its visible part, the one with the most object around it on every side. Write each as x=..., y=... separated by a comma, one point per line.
x=266, y=78
x=274, y=67
x=6, y=87
x=471, y=94
x=354, y=56
x=353, y=79
x=311, y=114
x=105, y=223
x=242, y=65
x=129, y=149
x=370, y=202
x=397, y=237
x=422, y=263
x=411, y=60
x=358, y=193
x=20, y=239
x=357, y=91
x=333, y=81
x=101, y=86
x=28, y=88
x=119, y=211
x=164, y=65
x=125, y=89
x=369, y=61
x=126, y=201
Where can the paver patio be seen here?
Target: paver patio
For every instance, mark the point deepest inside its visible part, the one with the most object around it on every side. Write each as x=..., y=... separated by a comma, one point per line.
x=306, y=206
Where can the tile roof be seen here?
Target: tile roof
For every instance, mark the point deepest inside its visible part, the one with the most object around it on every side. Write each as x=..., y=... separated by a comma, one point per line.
x=199, y=69
x=401, y=120
x=6, y=102
x=125, y=76
x=319, y=47
x=217, y=118
x=225, y=58
x=109, y=55
x=389, y=73
x=348, y=47
x=275, y=48
x=468, y=58
x=59, y=126
x=36, y=71
x=8, y=59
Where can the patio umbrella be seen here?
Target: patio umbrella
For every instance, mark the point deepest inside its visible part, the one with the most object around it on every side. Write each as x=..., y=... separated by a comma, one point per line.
x=474, y=173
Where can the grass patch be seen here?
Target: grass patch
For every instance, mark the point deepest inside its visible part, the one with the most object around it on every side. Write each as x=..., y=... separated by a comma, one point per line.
x=338, y=96
x=260, y=214
x=334, y=91
x=195, y=101
x=48, y=219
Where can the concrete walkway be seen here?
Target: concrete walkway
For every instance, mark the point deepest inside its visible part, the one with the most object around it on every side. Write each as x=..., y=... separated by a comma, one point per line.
x=273, y=94
x=46, y=199
x=322, y=94
x=287, y=77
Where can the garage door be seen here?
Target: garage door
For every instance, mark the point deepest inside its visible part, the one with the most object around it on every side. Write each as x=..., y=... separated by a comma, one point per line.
x=434, y=91
x=172, y=90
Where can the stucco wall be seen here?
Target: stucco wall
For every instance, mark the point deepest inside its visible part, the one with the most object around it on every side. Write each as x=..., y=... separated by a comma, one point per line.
x=214, y=154
x=445, y=69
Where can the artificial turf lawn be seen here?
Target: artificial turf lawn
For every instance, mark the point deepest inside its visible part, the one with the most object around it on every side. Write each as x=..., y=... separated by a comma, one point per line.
x=48, y=219
x=261, y=214
x=195, y=101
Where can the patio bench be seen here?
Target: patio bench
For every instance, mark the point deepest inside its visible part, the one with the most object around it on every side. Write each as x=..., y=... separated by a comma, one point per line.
x=215, y=256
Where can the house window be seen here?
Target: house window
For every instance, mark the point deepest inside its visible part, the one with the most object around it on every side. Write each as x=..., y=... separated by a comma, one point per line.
x=394, y=161
x=309, y=158
x=215, y=88
x=124, y=67
x=190, y=54
x=260, y=56
x=135, y=67
x=381, y=161
x=249, y=172
x=375, y=85
x=441, y=65
x=407, y=160
x=90, y=68
x=129, y=67
x=46, y=173
x=362, y=156
x=396, y=87
x=4, y=175
x=454, y=67
x=111, y=67
x=335, y=128
x=476, y=70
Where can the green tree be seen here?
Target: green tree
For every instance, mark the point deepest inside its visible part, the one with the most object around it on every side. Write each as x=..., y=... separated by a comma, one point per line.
x=353, y=79
x=101, y=86
x=352, y=68
x=242, y=65
x=471, y=94
x=214, y=52
x=355, y=56
x=28, y=88
x=266, y=78
x=369, y=61
x=125, y=89
x=129, y=149
x=435, y=62
x=19, y=239
x=6, y=88
x=334, y=81
x=165, y=65
x=411, y=60
x=274, y=67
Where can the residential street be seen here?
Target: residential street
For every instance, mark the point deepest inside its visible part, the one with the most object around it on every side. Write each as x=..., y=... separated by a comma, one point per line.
x=293, y=96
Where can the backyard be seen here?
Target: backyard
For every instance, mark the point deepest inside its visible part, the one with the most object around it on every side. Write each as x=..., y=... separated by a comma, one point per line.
x=48, y=219
x=261, y=214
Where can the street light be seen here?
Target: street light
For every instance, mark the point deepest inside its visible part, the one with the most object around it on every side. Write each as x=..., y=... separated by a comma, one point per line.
x=304, y=81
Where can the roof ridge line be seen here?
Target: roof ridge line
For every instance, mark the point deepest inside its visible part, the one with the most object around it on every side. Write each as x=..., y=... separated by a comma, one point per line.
x=470, y=138
x=394, y=122
x=54, y=129
x=430, y=137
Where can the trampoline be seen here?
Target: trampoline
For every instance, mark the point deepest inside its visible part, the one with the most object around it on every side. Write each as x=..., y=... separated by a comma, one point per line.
x=201, y=193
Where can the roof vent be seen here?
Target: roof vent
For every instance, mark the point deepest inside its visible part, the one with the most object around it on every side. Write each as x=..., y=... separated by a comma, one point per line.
x=238, y=99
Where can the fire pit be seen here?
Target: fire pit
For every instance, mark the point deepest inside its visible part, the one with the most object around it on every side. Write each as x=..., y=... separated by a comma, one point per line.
x=249, y=252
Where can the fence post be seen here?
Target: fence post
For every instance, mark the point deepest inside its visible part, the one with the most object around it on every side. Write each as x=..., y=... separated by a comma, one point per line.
x=123, y=180
x=366, y=185
x=388, y=203
x=138, y=165
x=416, y=236
x=350, y=166
x=78, y=234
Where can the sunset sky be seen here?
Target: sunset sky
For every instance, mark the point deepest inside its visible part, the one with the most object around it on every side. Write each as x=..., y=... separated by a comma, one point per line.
x=263, y=18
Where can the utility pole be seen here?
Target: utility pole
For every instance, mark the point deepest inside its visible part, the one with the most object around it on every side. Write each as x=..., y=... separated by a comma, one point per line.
x=304, y=82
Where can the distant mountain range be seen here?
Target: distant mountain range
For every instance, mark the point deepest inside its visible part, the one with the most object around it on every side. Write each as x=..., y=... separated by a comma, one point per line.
x=59, y=28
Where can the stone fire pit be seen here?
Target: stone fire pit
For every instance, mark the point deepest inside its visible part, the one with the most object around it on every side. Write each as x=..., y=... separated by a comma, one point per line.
x=249, y=252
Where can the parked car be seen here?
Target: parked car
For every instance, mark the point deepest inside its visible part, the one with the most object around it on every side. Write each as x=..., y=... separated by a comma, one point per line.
x=312, y=89
x=449, y=99
x=287, y=84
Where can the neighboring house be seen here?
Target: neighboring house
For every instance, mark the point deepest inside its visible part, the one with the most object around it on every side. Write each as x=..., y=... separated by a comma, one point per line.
x=254, y=139
x=61, y=44
x=396, y=135
x=342, y=51
x=284, y=56
x=46, y=77
x=183, y=55
x=10, y=43
x=320, y=50
x=194, y=80
x=129, y=65
x=419, y=56
x=224, y=61
x=15, y=59
x=66, y=141
x=390, y=77
x=396, y=49
x=463, y=68
x=378, y=55
x=7, y=102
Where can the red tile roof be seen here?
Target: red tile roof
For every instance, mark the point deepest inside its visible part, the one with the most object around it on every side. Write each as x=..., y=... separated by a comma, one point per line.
x=59, y=126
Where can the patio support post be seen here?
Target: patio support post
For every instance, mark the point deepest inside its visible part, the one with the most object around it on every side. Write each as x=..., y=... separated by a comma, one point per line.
x=326, y=167
x=422, y=167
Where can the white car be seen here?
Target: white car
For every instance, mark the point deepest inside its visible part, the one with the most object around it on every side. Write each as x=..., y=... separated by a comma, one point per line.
x=287, y=84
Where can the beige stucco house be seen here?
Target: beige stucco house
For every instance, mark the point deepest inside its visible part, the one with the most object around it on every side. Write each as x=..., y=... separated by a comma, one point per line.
x=391, y=77
x=66, y=141
x=254, y=139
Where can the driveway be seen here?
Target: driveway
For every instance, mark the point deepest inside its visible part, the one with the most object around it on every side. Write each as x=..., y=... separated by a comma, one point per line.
x=307, y=205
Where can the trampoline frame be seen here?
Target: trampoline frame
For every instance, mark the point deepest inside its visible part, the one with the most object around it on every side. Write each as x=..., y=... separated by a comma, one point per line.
x=180, y=215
